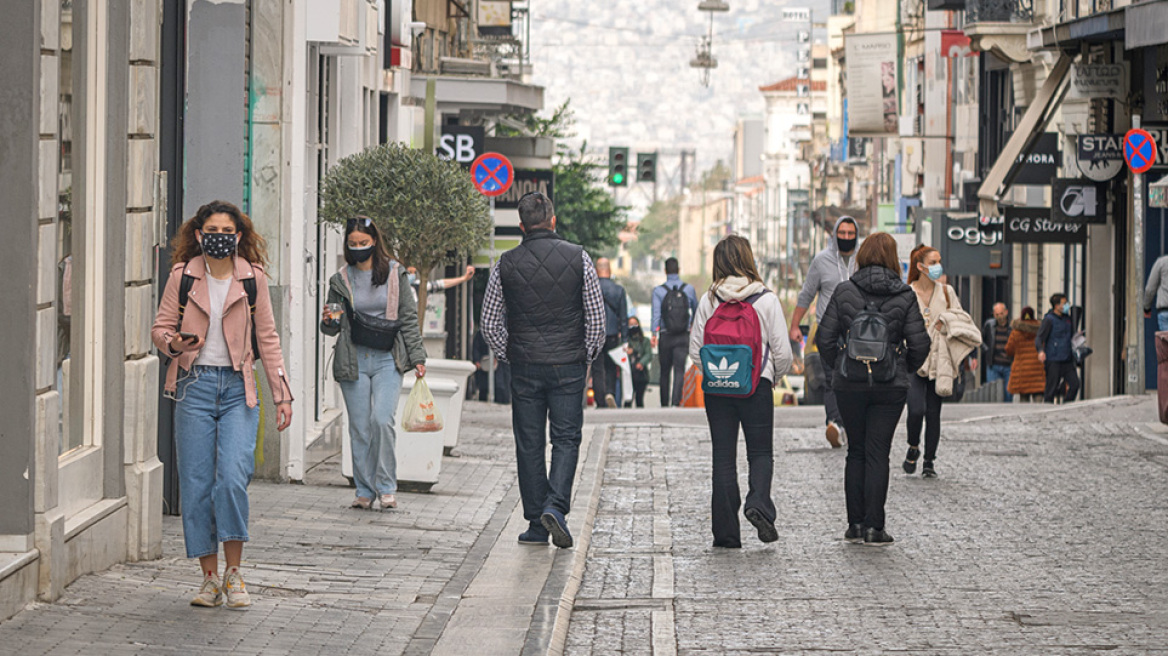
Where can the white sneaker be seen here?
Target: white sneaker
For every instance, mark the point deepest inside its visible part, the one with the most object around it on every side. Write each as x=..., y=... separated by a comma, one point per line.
x=833, y=434
x=210, y=595
x=237, y=596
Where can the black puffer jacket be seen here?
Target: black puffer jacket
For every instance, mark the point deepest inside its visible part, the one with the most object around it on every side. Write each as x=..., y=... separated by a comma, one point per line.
x=899, y=306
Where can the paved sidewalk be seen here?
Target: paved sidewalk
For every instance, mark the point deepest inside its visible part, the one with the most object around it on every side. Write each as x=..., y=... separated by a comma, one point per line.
x=1043, y=535
x=326, y=578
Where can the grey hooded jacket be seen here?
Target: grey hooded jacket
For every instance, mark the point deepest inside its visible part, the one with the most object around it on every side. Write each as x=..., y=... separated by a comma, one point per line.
x=828, y=269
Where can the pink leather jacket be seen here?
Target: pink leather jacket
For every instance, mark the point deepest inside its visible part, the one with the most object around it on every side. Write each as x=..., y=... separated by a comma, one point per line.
x=236, y=327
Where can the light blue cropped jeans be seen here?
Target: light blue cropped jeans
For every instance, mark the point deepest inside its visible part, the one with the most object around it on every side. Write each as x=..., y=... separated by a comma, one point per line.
x=215, y=434
x=371, y=402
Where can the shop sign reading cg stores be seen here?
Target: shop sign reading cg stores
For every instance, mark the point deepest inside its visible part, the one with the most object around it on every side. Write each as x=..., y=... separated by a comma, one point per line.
x=1033, y=225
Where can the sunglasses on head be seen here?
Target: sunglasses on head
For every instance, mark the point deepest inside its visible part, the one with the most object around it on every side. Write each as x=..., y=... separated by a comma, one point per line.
x=358, y=221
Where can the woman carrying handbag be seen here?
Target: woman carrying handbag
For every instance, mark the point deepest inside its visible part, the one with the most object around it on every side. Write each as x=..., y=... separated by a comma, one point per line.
x=373, y=313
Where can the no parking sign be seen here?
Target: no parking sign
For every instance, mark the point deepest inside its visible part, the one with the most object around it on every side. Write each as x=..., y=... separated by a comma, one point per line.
x=1139, y=150
x=492, y=174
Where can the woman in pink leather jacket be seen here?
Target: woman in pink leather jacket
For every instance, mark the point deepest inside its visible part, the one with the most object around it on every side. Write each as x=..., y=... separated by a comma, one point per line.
x=213, y=334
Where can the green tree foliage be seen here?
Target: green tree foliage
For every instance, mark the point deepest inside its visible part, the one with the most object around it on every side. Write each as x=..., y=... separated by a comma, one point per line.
x=585, y=210
x=428, y=210
x=657, y=234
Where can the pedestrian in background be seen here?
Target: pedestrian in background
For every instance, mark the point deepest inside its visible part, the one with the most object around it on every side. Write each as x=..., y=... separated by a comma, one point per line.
x=736, y=280
x=1027, y=375
x=871, y=410
x=1156, y=293
x=543, y=312
x=208, y=327
x=1053, y=344
x=995, y=334
x=640, y=359
x=924, y=404
x=674, y=304
x=831, y=266
x=369, y=368
x=616, y=332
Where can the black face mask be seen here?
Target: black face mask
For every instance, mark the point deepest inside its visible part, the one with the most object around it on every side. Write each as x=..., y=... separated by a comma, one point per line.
x=635, y=332
x=845, y=245
x=361, y=254
x=218, y=245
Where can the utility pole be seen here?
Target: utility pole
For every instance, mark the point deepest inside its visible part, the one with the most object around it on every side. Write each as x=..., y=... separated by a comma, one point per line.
x=1134, y=356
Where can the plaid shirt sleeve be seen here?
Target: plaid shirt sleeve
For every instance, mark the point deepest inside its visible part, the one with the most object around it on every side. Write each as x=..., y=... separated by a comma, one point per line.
x=593, y=310
x=494, y=320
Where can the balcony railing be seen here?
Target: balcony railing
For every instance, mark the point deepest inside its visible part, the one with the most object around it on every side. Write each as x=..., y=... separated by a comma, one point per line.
x=999, y=11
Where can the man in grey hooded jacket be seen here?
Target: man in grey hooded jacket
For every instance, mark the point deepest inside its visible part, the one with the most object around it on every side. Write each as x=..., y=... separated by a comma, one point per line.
x=829, y=268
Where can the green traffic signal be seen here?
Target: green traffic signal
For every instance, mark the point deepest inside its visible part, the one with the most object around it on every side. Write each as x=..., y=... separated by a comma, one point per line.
x=618, y=166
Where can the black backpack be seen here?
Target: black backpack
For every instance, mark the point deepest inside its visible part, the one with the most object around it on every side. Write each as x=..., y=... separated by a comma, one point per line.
x=249, y=286
x=868, y=353
x=675, y=309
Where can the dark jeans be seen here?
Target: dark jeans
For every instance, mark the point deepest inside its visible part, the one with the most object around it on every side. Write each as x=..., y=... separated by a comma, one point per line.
x=547, y=399
x=640, y=382
x=870, y=417
x=502, y=383
x=923, y=404
x=756, y=415
x=672, y=349
x=830, y=404
x=604, y=372
x=1058, y=374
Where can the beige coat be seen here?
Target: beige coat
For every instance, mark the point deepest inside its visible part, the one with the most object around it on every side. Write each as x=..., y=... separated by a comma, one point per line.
x=954, y=334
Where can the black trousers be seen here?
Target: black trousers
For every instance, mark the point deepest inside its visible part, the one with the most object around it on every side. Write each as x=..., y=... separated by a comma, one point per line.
x=756, y=415
x=923, y=406
x=870, y=417
x=1058, y=374
x=640, y=382
x=604, y=372
x=672, y=349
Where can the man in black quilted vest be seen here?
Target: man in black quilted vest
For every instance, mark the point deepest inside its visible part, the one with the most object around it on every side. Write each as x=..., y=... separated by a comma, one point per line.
x=544, y=314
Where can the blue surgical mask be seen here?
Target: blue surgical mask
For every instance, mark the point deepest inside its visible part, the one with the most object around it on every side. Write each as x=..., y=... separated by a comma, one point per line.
x=413, y=278
x=936, y=271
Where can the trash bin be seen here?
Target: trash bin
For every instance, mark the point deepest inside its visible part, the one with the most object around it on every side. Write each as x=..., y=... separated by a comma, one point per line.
x=1162, y=374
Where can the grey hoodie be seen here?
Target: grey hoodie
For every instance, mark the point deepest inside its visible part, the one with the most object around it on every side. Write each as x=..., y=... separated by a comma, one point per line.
x=828, y=269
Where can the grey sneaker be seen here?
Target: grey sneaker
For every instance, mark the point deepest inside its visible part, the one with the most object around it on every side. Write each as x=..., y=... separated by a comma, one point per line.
x=210, y=595
x=237, y=596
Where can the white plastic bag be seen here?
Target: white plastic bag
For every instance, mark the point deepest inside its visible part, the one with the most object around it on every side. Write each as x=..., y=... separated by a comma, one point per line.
x=620, y=356
x=421, y=415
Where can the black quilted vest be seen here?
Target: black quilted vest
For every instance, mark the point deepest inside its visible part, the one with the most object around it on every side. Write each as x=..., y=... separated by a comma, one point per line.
x=543, y=286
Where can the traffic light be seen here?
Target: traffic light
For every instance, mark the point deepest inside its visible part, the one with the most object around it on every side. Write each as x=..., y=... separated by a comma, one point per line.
x=646, y=167
x=618, y=166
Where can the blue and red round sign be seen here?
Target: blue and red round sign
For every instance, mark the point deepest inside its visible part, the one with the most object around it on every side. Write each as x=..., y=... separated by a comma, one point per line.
x=492, y=174
x=1139, y=150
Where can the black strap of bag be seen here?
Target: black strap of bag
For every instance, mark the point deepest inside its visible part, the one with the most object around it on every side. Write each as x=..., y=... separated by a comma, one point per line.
x=249, y=287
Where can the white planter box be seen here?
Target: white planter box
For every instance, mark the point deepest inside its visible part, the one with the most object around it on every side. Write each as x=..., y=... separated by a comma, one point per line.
x=419, y=455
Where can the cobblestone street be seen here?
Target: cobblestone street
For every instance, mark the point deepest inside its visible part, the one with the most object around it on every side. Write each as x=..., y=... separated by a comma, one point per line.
x=1042, y=535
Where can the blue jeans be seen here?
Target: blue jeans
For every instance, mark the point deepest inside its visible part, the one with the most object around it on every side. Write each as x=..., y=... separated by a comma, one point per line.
x=371, y=401
x=215, y=437
x=1162, y=319
x=1000, y=372
x=547, y=399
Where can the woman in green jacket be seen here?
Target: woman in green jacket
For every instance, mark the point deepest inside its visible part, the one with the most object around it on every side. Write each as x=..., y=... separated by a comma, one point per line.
x=640, y=357
x=374, y=285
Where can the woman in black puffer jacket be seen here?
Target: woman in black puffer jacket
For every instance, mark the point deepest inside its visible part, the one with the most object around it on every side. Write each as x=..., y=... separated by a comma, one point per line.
x=871, y=411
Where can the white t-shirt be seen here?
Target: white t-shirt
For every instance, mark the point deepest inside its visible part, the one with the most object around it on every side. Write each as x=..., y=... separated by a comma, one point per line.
x=215, y=353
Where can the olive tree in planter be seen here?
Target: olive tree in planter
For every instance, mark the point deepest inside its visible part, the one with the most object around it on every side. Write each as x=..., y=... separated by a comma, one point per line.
x=429, y=214
x=427, y=209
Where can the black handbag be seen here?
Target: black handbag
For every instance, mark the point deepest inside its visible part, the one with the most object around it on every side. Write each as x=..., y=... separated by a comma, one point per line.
x=370, y=331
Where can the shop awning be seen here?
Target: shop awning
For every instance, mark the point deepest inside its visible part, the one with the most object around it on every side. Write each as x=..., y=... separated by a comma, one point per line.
x=1019, y=145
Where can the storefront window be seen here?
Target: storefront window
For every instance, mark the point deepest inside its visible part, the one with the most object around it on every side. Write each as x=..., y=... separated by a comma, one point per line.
x=71, y=435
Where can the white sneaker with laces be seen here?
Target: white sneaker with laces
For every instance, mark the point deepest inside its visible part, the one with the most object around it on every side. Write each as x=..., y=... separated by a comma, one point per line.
x=236, y=591
x=210, y=594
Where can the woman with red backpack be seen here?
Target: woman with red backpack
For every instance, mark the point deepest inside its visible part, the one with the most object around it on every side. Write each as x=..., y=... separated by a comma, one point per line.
x=739, y=336
x=873, y=338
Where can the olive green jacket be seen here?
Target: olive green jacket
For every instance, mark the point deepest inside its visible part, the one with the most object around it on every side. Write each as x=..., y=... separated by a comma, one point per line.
x=408, y=350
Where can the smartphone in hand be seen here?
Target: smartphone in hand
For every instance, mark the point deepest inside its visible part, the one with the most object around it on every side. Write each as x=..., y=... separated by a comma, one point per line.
x=190, y=337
